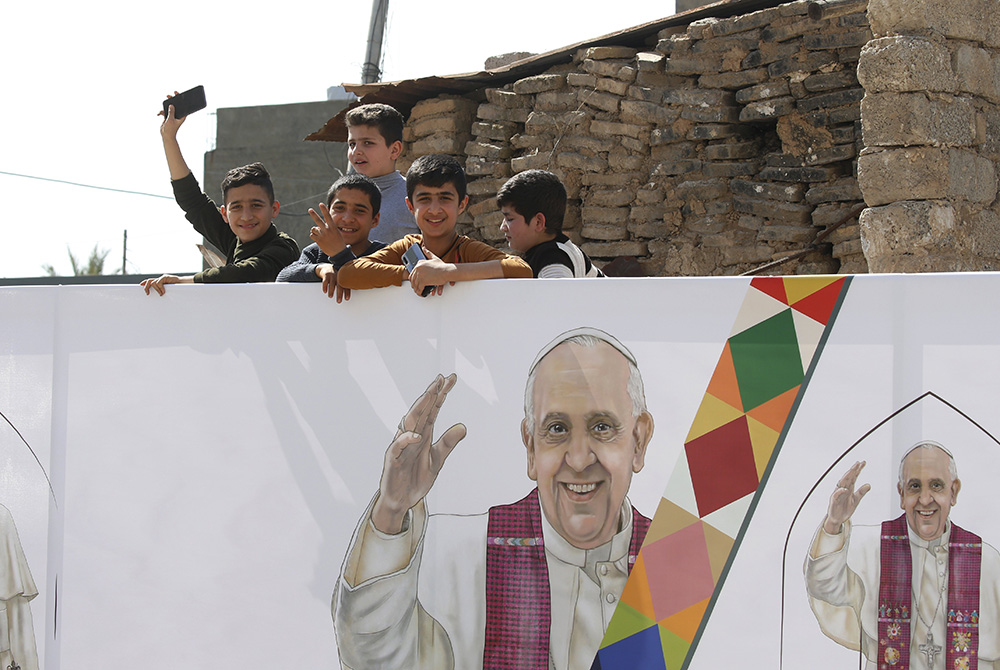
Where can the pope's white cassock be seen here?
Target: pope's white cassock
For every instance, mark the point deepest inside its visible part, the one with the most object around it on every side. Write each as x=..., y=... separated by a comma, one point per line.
x=417, y=599
x=842, y=575
x=17, y=589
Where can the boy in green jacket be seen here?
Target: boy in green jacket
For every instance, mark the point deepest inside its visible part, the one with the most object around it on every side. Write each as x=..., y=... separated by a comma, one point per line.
x=242, y=229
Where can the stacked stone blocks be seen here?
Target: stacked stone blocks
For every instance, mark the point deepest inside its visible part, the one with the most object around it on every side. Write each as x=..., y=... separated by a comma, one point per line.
x=726, y=145
x=932, y=133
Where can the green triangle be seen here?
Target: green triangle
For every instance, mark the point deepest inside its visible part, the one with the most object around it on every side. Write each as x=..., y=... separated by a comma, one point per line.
x=625, y=622
x=675, y=649
x=766, y=359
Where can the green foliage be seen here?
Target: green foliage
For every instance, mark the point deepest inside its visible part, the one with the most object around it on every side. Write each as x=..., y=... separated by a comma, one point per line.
x=94, y=265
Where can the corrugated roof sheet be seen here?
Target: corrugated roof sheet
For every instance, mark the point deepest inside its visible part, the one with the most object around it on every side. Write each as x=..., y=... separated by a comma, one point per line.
x=403, y=95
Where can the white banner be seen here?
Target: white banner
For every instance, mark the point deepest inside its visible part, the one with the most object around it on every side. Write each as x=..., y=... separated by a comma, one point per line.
x=185, y=472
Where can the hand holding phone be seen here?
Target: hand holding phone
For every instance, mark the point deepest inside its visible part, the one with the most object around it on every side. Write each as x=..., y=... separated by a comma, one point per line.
x=411, y=257
x=185, y=103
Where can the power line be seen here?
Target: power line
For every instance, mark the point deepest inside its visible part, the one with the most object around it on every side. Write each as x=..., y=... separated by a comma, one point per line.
x=169, y=197
x=99, y=188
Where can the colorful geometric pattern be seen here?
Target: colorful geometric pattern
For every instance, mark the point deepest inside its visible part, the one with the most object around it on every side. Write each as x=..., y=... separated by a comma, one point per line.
x=713, y=489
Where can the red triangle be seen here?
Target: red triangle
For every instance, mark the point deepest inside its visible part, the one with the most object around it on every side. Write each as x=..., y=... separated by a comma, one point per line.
x=819, y=305
x=772, y=286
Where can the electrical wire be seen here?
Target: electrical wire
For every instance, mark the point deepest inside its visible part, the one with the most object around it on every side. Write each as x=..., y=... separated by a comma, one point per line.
x=73, y=183
x=170, y=197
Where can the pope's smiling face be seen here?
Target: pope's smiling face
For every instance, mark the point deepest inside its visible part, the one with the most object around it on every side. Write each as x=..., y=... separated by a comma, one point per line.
x=585, y=444
x=927, y=491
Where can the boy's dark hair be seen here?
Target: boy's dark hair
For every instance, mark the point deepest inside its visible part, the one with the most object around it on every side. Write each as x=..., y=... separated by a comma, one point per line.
x=358, y=182
x=386, y=119
x=255, y=173
x=435, y=170
x=534, y=191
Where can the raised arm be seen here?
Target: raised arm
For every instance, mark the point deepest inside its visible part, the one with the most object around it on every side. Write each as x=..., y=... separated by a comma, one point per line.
x=379, y=619
x=413, y=461
x=845, y=499
x=168, y=132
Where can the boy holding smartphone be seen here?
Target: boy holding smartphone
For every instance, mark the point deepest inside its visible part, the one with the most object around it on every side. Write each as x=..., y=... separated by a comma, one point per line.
x=242, y=228
x=436, y=195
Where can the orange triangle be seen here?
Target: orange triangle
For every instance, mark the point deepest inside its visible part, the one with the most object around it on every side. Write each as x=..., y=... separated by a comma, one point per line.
x=669, y=519
x=772, y=286
x=636, y=592
x=774, y=412
x=685, y=623
x=819, y=305
x=724, y=385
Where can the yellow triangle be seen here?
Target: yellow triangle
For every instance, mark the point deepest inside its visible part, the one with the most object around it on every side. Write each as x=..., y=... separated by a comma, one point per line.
x=799, y=287
x=712, y=414
x=669, y=519
x=719, y=547
x=763, y=440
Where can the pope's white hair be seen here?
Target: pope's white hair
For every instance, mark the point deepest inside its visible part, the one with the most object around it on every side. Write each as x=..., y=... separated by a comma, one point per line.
x=586, y=337
x=929, y=444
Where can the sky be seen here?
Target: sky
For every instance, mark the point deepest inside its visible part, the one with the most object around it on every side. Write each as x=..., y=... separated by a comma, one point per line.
x=82, y=83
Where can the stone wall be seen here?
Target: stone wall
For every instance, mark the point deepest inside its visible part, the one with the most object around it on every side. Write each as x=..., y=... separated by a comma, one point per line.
x=931, y=117
x=726, y=145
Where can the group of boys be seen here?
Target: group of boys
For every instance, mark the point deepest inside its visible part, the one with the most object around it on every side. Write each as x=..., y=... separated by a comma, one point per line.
x=421, y=209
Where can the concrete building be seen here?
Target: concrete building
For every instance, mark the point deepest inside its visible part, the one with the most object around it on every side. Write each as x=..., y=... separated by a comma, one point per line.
x=273, y=134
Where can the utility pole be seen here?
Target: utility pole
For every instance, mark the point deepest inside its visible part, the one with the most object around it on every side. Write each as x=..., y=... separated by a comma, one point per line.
x=371, y=71
x=124, y=249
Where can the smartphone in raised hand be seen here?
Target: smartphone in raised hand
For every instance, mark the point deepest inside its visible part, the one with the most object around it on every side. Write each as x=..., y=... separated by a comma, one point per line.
x=186, y=102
